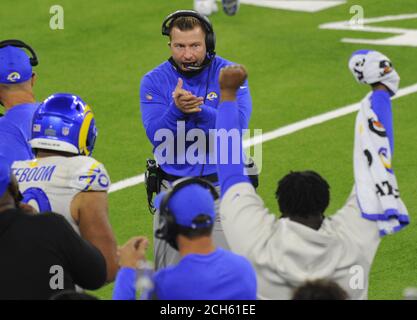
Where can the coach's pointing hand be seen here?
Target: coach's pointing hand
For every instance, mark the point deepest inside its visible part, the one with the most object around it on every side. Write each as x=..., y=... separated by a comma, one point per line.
x=230, y=80
x=132, y=252
x=185, y=100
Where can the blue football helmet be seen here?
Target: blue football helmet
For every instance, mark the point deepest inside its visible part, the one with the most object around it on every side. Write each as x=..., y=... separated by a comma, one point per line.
x=64, y=122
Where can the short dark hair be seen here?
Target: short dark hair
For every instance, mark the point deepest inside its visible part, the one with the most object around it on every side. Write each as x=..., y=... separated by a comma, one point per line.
x=186, y=23
x=321, y=289
x=197, y=232
x=57, y=152
x=303, y=194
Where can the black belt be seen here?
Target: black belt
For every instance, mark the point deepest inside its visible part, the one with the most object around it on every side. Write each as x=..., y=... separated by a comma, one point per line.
x=169, y=177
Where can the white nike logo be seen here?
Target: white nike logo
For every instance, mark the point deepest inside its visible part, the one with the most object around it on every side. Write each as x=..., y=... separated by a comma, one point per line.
x=243, y=87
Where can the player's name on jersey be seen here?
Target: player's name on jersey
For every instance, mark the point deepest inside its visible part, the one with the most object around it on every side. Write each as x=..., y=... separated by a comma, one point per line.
x=42, y=173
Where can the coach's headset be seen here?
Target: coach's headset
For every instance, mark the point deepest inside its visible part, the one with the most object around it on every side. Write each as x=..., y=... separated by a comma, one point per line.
x=168, y=228
x=208, y=29
x=20, y=44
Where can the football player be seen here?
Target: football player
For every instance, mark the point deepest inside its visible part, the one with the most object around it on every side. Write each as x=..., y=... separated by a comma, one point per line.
x=63, y=177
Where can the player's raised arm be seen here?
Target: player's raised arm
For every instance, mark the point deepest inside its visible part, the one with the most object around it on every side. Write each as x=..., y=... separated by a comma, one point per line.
x=230, y=80
x=246, y=222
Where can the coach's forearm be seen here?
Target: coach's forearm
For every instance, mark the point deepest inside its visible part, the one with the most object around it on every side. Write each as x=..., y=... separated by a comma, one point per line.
x=167, y=121
x=206, y=117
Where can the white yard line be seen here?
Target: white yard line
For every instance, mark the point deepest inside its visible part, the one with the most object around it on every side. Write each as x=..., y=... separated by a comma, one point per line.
x=279, y=132
x=403, y=37
x=126, y=183
x=294, y=5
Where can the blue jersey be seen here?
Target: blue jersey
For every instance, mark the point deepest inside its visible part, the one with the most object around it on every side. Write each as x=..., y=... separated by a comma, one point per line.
x=16, y=131
x=221, y=275
x=160, y=112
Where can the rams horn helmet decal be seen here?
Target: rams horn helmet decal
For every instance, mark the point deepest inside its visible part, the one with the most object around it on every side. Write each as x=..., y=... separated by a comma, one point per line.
x=64, y=122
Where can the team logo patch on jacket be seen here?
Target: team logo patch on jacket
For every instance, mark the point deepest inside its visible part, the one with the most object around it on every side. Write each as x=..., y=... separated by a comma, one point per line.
x=212, y=96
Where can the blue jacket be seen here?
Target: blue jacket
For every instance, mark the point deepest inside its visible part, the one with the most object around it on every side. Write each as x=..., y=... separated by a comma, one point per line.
x=16, y=131
x=159, y=112
x=220, y=275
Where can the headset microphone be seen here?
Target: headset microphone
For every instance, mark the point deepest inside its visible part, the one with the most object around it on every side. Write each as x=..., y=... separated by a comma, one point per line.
x=194, y=67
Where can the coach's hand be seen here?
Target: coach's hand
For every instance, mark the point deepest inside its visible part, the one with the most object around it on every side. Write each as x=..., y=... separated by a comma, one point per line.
x=185, y=100
x=230, y=80
x=132, y=252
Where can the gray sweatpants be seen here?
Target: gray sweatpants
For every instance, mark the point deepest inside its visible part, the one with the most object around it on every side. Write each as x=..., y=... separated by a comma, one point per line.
x=165, y=255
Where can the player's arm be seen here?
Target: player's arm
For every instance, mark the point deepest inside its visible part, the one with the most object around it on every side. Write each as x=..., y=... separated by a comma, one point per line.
x=89, y=208
x=228, y=121
x=364, y=232
x=208, y=115
x=248, y=225
x=91, y=214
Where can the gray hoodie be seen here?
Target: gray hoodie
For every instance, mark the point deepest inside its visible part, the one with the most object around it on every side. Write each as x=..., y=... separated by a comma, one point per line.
x=286, y=253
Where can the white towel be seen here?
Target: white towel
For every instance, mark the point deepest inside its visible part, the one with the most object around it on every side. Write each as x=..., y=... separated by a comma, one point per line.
x=376, y=186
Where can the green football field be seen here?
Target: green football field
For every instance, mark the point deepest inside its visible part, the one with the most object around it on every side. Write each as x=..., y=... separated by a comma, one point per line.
x=296, y=71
